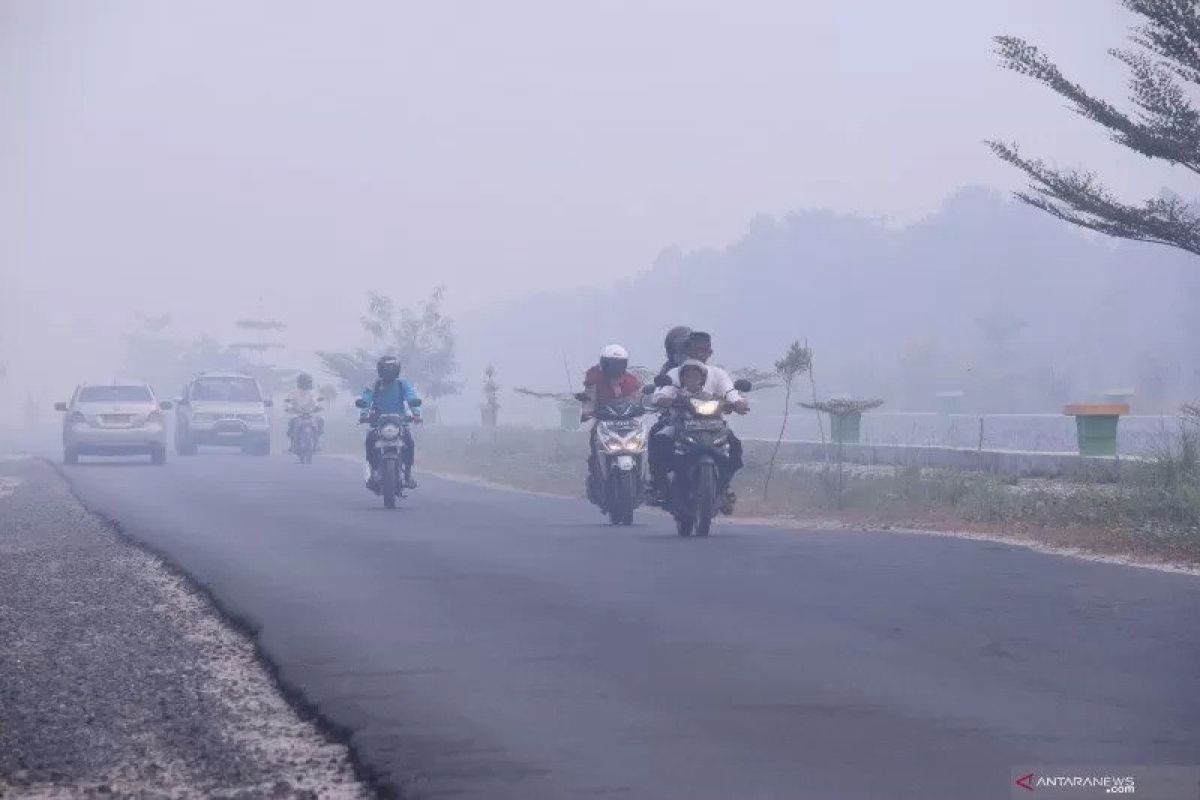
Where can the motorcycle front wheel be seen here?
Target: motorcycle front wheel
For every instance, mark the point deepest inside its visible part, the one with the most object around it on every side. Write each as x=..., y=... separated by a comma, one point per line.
x=704, y=493
x=621, y=497
x=391, y=481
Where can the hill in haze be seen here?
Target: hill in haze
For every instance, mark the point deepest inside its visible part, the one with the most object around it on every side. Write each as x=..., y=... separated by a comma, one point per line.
x=988, y=296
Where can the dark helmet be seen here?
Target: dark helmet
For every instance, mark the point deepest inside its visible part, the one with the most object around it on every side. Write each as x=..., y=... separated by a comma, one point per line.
x=304, y=380
x=388, y=368
x=676, y=342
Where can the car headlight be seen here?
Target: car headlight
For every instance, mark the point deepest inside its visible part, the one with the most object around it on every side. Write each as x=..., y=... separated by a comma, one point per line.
x=706, y=408
x=389, y=431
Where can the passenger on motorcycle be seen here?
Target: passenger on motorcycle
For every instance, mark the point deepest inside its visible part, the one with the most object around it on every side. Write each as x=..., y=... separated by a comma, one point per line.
x=716, y=383
x=390, y=395
x=303, y=400
x=605, y=382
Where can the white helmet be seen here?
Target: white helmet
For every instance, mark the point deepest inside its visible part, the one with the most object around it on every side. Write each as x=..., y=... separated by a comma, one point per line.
x=614, y=359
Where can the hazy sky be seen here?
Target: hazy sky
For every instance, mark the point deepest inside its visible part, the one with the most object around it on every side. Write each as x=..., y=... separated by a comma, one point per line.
x=194, y=157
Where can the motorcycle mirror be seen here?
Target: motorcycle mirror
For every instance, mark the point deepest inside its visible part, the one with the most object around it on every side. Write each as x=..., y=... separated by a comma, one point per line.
x=166, y=405
x=662, y=380
x=360, y=403
x=742, y=385
x=581, y=397
x=60, y=406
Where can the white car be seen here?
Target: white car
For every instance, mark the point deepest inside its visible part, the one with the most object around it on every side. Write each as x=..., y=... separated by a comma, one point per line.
x=223, y=409
x=114, y=420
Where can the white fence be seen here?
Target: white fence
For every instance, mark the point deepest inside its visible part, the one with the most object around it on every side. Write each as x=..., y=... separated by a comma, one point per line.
x=1047, y=433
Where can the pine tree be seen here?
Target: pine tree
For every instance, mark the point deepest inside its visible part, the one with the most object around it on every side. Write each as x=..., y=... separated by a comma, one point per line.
x=1164, y=67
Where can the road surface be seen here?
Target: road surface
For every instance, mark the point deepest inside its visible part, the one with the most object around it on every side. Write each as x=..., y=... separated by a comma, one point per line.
x=494, y=644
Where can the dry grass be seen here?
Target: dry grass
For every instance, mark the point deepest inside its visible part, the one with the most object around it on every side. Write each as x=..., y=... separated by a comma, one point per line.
x=1154, y=512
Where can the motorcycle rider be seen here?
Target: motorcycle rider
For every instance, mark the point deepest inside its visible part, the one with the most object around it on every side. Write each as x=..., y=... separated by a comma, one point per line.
x=716, y=383
x=604, y=382
x=390, y=395
x=675, y=344
x=303, y=400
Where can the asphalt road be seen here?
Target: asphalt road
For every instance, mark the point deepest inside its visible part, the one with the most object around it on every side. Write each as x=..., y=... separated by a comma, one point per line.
x=494, y=644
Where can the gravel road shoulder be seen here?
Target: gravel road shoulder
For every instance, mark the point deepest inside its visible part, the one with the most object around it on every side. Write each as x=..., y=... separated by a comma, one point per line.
x=117, y=678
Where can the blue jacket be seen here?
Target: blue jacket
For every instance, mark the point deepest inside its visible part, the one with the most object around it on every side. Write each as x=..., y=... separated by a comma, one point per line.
x=393, y=398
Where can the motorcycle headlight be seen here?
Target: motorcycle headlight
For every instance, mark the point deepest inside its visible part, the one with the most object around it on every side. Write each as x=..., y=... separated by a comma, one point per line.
x=614, y=442
x=706, y=408
x=389, y=431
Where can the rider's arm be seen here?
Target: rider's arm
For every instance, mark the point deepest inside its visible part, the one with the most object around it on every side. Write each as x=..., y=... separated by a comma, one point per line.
x=368, y=397
x=589, y=388
x=665, y=395
x=410, y=394
x=723, y=384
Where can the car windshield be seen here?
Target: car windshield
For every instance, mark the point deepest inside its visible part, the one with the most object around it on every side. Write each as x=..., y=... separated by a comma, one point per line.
x=115, y=394
x=229, y=390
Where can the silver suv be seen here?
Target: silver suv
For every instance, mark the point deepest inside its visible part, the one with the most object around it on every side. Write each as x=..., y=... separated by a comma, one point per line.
x=224, y=409
x=114, y=420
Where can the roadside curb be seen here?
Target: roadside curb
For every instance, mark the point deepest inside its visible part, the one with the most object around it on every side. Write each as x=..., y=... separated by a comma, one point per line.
x=291, y=694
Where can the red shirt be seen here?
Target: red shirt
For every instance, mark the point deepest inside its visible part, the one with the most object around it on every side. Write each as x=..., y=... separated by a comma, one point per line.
x=606, y=391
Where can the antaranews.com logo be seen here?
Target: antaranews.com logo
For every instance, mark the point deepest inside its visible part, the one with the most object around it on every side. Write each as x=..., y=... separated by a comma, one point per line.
x=1109, y=784
x=1089, y=782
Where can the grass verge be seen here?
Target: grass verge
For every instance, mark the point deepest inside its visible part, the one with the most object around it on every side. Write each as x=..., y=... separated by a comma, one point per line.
x=1152, y=513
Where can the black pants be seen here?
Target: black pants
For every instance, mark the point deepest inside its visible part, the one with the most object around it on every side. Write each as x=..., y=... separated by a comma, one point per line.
x=662, y=452
x=407, y=459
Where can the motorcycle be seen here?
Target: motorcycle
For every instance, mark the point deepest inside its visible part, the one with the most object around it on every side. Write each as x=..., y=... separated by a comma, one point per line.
x=616, y=482
x=389, y=444
x=304, y=437
x=701, y=445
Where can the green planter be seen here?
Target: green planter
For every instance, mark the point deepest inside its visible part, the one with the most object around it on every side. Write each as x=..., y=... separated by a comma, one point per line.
x=1097, y=435
x=845, y=428
x=1096, y=427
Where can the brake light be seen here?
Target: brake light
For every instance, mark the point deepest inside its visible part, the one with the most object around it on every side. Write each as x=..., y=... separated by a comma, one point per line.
x=155, y=418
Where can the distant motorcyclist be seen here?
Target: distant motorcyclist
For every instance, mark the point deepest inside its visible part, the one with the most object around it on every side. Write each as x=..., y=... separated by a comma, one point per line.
x=716, y=383
x=303, y=400
x=390, y=395
x=605, y=382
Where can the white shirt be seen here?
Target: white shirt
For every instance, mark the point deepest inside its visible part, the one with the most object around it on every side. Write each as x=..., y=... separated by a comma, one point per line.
x=717, y=383
x=300, y=401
